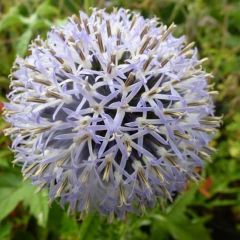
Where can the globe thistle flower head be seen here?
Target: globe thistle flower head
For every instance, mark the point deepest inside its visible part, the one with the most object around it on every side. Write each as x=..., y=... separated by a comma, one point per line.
x=110, y=113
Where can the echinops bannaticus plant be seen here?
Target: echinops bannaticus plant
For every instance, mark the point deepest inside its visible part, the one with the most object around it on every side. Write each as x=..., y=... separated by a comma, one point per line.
x=110, y=113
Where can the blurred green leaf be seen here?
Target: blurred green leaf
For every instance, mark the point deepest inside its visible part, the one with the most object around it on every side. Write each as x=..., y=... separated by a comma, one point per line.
x=89, y=227
x=4, y=155
x=40, y=24
x=220, y=203
x=23, y=42
x=46, y=10
x=69, y=227
x=5, y=231
x=12, y=18
x=9, y=180
x=177, y=223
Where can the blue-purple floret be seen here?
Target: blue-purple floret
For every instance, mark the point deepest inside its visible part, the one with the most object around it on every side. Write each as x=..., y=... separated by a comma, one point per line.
x=111, y=113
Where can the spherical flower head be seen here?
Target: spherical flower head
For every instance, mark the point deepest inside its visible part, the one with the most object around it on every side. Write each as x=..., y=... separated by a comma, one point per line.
x=110, y=113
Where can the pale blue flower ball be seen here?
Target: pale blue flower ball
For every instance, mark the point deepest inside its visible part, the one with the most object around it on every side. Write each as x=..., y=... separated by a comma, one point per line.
x=110, y=113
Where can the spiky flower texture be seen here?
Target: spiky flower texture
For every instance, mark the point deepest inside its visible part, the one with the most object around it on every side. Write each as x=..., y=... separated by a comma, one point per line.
x=110, y=113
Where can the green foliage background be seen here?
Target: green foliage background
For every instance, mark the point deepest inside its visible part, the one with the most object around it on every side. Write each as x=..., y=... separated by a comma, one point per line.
x=209, y=210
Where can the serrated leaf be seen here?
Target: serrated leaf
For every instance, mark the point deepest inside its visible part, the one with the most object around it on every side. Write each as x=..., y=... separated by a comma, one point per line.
x=10, y=197
x=13, y=191
x=38, y=204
